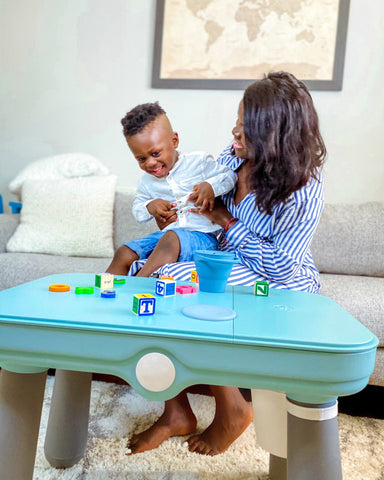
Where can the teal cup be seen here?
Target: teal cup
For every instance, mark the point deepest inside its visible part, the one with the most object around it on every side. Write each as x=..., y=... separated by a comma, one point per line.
x=213, y=268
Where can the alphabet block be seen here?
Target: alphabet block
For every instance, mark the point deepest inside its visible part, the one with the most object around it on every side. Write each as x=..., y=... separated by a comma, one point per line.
x=261, y=288
x=194, y=276
x=104, y=281
x=165, y=288
x=143, y=304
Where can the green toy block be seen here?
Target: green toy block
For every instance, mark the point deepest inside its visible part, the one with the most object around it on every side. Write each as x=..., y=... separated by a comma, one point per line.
x=261, y=288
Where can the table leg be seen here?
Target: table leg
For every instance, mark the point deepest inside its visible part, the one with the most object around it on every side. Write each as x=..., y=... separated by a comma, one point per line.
x=313, y=442
x=67, y=429
x=21, y=400
x=270, y=420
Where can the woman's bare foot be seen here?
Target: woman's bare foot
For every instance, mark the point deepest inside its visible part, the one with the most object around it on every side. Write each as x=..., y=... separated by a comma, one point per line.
x=177, y=419
x=232, y=417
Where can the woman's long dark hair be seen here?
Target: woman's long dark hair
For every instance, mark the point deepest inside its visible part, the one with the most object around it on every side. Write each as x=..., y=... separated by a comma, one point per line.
x=281, y=127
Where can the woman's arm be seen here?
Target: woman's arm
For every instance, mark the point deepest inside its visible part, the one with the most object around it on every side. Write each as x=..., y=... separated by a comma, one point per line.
x=279, y=255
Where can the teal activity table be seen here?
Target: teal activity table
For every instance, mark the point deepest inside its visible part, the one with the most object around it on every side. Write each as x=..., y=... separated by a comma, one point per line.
x=301, y=346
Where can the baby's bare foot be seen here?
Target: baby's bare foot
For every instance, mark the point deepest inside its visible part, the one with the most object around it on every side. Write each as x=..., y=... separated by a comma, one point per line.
x=177, y=419
x=222, y=432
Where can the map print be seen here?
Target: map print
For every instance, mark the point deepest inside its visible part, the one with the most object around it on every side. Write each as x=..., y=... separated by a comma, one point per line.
x=243, y=39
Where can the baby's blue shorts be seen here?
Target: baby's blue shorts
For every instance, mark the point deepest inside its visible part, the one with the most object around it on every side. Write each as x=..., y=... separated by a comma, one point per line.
x=190, y=241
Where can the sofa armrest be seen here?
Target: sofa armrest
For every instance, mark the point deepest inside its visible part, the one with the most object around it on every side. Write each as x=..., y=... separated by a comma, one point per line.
x=8, y=224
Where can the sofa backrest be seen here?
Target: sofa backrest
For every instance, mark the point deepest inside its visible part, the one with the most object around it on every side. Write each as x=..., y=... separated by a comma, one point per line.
x=126, y=227
x=350, y=239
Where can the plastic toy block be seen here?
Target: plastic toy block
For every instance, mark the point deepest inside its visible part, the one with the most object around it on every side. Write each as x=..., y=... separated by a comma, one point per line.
x=143, y=304
x=261, y=288
x=167, y=277
x=59, y=287
x=184, y=289
x=119, y=281
x=84, y=290
x=165, y=288
x=104, y=281
x=194, y=276
x=108, y=294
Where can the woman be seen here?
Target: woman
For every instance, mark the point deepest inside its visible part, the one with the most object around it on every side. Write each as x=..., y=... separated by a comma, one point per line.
x=269, y=220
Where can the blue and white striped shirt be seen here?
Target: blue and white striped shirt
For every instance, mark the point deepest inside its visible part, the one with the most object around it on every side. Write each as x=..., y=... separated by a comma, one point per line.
x=273, y=247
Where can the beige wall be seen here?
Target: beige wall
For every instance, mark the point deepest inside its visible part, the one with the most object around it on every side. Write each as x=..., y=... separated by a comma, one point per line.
x=69, y=70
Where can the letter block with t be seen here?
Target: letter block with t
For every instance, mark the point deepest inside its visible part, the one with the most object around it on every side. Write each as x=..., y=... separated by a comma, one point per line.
x=143, y=304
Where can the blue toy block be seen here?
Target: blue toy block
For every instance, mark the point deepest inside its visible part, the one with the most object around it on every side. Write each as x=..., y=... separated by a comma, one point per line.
x=165, y=288
x=143, y=304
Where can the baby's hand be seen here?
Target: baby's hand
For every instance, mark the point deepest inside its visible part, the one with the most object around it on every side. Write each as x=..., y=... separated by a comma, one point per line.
x=203, y=196
x=162, y=211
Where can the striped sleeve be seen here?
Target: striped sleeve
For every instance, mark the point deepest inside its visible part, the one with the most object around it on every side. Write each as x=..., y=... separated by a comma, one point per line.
x=226, y=158
x=280, y=255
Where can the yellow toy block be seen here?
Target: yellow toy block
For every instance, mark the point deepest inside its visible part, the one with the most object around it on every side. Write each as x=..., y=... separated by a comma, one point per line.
x=194, y=276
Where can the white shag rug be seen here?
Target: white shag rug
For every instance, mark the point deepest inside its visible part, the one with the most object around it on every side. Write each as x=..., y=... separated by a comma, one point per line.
x=117, y=411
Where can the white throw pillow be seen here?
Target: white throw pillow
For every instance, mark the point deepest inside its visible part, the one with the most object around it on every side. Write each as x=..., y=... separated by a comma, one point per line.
x=72, y=217
x=58, y=167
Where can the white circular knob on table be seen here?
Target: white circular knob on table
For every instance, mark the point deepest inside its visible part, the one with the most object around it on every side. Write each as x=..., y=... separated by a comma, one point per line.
x=155, y=372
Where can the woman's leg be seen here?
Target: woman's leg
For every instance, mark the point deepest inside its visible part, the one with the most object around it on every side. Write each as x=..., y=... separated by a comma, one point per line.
x=233, y=415
x=177, y=419
x=167, y=250
x=121, y=262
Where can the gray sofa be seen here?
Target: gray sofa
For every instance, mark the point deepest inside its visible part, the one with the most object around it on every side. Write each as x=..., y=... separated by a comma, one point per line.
x=348, y=249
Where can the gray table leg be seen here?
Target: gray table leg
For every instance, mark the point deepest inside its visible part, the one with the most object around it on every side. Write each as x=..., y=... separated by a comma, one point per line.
x=21, y=400
x=67, y=429
x=277, y=467
x=313, y=442
x=270, y=420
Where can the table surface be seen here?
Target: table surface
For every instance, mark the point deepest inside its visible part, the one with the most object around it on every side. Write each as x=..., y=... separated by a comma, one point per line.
x=300, y=343
x=284, y=319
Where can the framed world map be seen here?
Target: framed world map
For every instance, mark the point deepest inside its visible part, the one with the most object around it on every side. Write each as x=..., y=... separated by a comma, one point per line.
x=227, y=44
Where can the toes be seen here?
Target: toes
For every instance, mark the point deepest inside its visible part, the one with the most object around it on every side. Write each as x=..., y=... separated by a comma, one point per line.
x=132, y=442
x=196, y=445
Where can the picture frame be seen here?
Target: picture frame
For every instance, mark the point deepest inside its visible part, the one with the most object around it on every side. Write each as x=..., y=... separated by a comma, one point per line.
x=175, y=43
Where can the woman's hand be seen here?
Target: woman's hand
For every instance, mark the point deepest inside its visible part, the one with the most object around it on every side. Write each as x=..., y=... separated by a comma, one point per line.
x=219, y=214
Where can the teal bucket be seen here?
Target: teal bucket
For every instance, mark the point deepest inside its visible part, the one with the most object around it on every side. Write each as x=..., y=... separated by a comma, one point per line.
x=213, y=268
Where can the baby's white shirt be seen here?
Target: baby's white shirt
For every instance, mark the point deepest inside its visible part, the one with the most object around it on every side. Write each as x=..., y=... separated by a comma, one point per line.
x=190, y=169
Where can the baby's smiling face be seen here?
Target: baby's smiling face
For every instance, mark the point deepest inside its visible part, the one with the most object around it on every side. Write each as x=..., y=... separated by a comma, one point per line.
x=155, y=146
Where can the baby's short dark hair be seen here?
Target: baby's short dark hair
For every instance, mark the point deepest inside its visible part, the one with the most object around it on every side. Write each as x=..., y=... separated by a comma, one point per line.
x=139, y=117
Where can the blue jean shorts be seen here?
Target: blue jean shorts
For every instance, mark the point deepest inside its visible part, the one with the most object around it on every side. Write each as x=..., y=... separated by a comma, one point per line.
x=190, y=241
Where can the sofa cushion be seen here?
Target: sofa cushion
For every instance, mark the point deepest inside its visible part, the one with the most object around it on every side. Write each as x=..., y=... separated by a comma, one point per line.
x=350, y=239
x=58, y=167
x=72, y=217
x=361, y=296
